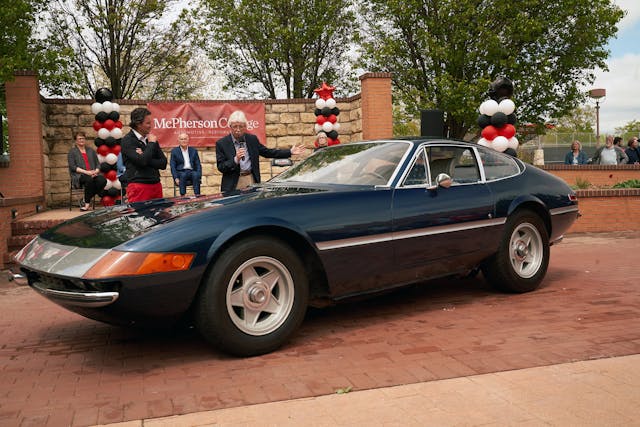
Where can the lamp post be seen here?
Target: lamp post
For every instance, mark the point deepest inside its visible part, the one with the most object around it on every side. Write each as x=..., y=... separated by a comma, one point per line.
x=597, y=94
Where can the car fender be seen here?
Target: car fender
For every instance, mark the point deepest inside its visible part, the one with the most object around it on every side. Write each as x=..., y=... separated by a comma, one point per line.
x=533, y=203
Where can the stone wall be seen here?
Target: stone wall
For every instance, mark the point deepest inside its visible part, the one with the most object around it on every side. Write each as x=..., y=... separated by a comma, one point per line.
x=287, y=122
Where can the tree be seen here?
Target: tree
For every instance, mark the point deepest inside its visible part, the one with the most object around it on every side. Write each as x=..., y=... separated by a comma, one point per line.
x=630, y=128
x=16, y=24
x=580, y=119
x=278, y=48
x=126, y=45
x=444, y=53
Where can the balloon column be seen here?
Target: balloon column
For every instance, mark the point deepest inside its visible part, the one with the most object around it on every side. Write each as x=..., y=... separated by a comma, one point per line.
x=327, y=114
x=497, y=117
x=109, y=127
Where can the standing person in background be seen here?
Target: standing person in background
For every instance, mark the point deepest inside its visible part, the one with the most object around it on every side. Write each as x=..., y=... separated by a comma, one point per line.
x=185, y=165
x=142, y=159
x=609, y=154
x=633, y=152
x=84, y=170
x=238, y=155
x=575, y=156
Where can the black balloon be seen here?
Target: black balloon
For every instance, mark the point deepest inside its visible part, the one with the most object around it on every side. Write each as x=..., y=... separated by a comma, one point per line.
x=110, y=141
x=317, y=112
x=102, y=116
x=98, y=142
x=333, y=134
x=335, y=110
x=113, y=192
x=511, y=119
x=105, y=167
x=114, y=115
x=501, y=87
x=499, y=119
x=484, y=121
x=103, y=94
x=326, y=111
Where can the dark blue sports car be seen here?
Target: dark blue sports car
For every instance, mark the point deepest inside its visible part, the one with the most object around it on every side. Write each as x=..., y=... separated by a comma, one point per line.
x=350, y=219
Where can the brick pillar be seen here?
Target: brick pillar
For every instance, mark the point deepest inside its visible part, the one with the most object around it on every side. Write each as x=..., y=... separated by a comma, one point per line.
x=25, y=175
x=377, y=115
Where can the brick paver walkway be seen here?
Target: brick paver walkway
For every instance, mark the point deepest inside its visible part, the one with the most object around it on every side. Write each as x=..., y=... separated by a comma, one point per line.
x=58, y=368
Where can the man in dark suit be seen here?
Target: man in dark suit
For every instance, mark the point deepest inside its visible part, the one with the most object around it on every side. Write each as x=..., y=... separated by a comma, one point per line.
x=238, y=155
x=185, y=165
x=142, y=158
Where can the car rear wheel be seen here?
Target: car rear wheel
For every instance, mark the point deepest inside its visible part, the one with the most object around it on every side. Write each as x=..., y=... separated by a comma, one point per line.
x=254, y=297
x=523, y=256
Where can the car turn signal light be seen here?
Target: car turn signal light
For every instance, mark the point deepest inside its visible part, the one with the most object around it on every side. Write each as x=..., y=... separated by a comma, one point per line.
x=117, y=263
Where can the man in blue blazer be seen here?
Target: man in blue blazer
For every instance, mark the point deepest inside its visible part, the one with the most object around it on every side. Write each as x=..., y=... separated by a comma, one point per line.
x=185, y=165
x=238, y=155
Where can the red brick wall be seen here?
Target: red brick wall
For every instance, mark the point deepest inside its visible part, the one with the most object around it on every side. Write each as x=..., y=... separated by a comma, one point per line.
x=377, y=115
x=595, y=174
x=607, y=210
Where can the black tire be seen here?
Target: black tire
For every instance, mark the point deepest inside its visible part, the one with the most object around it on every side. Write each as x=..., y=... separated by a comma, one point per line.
x=522, y=258
x=254, y=298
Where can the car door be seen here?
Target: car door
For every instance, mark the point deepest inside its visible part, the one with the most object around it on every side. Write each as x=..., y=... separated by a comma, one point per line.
x=438, y=230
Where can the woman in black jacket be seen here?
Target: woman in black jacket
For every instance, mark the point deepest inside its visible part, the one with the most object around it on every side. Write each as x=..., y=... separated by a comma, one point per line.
x=84, y=170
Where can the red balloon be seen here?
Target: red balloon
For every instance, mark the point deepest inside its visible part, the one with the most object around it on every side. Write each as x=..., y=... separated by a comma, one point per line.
x=119, y=124
x=103, y=150
x=508, y=131
x=116, y=149
x=111, y=175
x=97, y=125
x=107, y=201
x=332, y=118
x=489, y=133
x=109, y=124
x=321, y=119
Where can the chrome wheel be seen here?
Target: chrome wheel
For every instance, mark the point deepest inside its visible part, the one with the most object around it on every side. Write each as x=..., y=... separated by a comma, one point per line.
x=260, y=295
x=526, y=250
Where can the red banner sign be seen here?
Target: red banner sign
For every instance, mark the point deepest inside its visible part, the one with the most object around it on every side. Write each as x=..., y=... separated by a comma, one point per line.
x=205, y=123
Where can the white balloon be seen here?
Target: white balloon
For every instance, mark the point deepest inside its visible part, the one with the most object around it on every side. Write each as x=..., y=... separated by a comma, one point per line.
x=489, y=107
x=116, y=133
x=331, y=103
x=320, y=103
x=483, y=142
x=108, y=185
x=500, y=143
x=101, y=158
x=107, y=106
x=506, y=106
x=96, y=107
x=111, y=158
x=513, y=143
x=116, y=107
x=317, y=128
x=327, y=126
x=104, y=133
x=336, y=126
x=117, y=184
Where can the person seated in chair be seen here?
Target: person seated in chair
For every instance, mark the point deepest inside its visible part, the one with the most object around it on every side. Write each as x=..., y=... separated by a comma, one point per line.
x=185, y=165
x=85, y=170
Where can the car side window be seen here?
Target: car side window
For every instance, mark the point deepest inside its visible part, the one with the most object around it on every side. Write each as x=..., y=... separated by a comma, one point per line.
x=497, y=165
x=418, y=173
x=457, y=162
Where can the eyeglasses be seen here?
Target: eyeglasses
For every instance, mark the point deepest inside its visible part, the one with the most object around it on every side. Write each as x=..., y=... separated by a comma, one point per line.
x=238, y=127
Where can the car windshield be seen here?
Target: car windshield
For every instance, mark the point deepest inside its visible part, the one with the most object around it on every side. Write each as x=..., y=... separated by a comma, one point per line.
x=364, y=163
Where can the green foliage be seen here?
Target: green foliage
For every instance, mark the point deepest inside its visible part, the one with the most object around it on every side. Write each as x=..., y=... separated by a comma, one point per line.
x=632, y=183
x=633, y=128
x=278, y=48
x=127, y=45
x=582, y=183
x=444, y=53
x=579, y=120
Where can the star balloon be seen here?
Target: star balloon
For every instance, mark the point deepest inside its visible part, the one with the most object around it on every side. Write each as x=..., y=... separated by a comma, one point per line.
x=325, y=91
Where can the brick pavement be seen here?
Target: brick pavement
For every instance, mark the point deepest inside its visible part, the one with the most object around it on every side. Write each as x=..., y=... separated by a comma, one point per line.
x=58, y=368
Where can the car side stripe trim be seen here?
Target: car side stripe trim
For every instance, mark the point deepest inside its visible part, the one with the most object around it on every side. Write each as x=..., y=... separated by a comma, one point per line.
x=561, y=211
x=386, y=237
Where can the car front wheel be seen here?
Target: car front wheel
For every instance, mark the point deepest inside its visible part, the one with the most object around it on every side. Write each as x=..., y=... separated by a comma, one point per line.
x=522, y=259
x=254, y=297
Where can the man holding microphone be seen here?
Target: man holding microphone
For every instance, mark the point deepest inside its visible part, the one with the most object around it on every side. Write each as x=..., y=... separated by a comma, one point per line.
x=238, y=155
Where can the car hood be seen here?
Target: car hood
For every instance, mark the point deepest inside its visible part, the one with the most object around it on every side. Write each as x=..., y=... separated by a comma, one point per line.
x=110, y=227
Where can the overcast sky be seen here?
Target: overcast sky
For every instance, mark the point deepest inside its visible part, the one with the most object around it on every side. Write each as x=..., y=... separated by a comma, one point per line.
x=622, y=81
